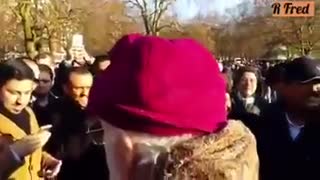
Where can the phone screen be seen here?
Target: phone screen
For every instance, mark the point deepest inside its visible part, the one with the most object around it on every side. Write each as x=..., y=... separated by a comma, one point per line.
x=45, y=128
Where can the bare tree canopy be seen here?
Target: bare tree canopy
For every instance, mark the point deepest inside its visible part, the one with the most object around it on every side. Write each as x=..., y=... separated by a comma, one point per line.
x=152, y=13
x=106, y=25
x=253, y=32
x=247, y=30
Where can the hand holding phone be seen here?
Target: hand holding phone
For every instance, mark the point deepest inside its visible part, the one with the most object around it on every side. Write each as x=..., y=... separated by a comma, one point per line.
x=27, y=145
x=44, y=134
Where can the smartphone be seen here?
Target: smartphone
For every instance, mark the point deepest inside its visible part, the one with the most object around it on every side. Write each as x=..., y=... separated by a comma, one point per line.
x=46, y=127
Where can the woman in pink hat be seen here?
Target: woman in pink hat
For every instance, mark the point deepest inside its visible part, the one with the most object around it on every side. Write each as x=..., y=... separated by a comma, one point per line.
x=162, y=106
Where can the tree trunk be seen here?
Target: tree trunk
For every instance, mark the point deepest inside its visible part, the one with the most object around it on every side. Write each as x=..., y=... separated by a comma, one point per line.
x=29, y=39
x=146, y=23
x=43, y=45
x=302, y=50
x=54, y=43
x=157, y=33
x=288, y=53
x=155, y=28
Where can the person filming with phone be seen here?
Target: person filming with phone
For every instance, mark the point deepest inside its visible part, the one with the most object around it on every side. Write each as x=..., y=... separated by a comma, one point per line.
x=19, y=128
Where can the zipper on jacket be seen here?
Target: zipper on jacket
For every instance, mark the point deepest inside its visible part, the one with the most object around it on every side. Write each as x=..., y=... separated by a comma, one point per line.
x=30, y=167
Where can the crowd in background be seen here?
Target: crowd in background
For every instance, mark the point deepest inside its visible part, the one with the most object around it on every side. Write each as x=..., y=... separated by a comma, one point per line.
x=277, y=101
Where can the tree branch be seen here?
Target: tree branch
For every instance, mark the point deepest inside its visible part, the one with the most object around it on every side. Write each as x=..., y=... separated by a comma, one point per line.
x=165, y=26
x=162, y=9
x=134, y=3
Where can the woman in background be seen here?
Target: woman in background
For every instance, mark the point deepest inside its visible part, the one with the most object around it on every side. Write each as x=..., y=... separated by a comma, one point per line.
x=247, y=98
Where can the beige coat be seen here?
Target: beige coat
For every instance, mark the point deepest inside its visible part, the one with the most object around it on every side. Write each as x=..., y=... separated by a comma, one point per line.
x=32, y=163
x=228, y=155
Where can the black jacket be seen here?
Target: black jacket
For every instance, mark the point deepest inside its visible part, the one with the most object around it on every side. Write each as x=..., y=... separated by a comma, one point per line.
x=280, y=156
x=81, y=158
x=248, y=115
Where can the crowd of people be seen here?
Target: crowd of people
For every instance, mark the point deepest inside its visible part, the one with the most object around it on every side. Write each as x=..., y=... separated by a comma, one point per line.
x=154, y=108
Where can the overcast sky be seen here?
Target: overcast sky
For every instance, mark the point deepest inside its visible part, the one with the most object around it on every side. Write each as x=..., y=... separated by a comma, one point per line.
x=187, y=9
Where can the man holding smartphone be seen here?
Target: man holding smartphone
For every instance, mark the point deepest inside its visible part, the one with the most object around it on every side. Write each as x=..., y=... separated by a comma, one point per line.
x=19, y=127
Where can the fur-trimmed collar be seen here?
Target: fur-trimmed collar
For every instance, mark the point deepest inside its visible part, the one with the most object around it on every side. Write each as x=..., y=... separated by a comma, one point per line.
x=230, y=154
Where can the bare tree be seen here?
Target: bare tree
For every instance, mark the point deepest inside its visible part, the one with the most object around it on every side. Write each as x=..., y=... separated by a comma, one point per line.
x=303, y=35
x=48, y=24
x=8, y=27
x=106, y=25
x=152, y=13
x=299, y=35
x=24, y=14
x=253, y=34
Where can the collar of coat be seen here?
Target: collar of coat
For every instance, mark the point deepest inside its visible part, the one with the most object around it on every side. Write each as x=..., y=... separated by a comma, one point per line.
x=229, y=154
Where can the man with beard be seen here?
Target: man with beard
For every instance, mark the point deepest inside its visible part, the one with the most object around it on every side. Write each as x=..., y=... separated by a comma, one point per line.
x=44, y=98
x=288, y=136
x=74, y=145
